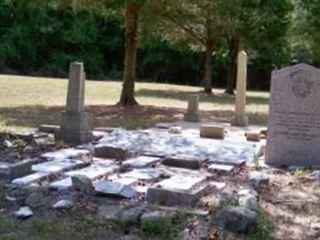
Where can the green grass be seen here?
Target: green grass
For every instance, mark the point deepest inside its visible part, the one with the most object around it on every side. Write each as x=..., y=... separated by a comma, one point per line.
x=27, y=102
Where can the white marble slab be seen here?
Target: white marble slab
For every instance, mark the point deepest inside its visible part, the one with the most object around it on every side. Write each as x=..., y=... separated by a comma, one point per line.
x=141, y=162
x=30, y=178
x=57, y=165
x=71, y=153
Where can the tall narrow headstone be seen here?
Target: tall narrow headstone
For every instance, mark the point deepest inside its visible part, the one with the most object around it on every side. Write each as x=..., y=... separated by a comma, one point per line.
x=75, y=122
x=240, y=118
x=192, y=114
x=294, y=117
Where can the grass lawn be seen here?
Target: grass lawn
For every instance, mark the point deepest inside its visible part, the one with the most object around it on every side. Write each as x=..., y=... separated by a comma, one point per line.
x=26, y=102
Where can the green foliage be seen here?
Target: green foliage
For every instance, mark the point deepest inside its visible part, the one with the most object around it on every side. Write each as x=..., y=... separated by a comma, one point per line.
x=163, y=228
x=265, y=228
x=42, y=37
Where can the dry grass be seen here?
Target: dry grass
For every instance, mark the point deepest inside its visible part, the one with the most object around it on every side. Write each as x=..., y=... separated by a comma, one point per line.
x=28, y=101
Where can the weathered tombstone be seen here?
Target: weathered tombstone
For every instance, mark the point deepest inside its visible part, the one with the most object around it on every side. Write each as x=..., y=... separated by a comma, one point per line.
x=240, y=118
x=192, y=114
x=294, y=117
x=75, y=126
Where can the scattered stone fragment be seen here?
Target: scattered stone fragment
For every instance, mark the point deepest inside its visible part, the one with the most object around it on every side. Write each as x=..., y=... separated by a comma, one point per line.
x=23, y=213
x=258, y=179
x=221, y=168
x=35, y=199
x=114, y=189
x=10, y=199
x=63, y=204
x=141, y=162
x=49, y=128
x=131, y=215
x=109, y=212
x=253, y=137
x=237, y=219
x=82, y=183
x=7, y=144
x=10, y=171
x=248, y=198
x=211, y=131
x=314, y=175
x=175, y=130
x=157, y=216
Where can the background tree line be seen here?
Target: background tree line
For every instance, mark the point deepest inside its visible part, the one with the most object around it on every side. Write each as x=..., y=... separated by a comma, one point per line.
x=181, y=41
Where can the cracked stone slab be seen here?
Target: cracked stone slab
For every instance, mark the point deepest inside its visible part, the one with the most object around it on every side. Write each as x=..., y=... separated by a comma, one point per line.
x=70, y=153
x=109, y=188
x=221, y=168
x=141, y=162
x=98, y=168
x=144, y=174
x=183, y=161
x=59, y=165
x=178, y=190
x=35, y=177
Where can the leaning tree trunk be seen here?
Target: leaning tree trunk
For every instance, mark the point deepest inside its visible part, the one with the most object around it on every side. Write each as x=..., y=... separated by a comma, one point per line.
x=208, y=69
x=233, y=44
x=131, y=49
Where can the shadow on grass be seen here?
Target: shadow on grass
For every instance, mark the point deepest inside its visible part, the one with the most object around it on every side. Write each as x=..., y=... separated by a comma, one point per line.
x=111, y=116
x=214, y=98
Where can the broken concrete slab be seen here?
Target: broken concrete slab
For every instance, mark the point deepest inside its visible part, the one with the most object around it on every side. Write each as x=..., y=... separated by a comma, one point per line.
x=70, y=153
x=105, y=151
x=182, y=161
x=98, y=168
x=59, y=165
x=10, y=171
x=164, y=144
x=144, y=174
x=178, y=190
x=141, y=162
x=220, y=168
x=35, y=177
x=114, y=189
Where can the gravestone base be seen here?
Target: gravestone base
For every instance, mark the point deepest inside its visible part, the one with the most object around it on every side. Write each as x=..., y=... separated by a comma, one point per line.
x=75, y=128
x=240, y=121
x=192, y=117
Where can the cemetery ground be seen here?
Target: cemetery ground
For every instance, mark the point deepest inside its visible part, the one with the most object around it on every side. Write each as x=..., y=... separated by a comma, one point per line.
x=39, y=100
x=285, y=201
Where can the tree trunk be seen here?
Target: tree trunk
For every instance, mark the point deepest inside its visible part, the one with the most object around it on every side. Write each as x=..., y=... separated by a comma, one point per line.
x=131, y=49
x=208, y=70
x=233, y=44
